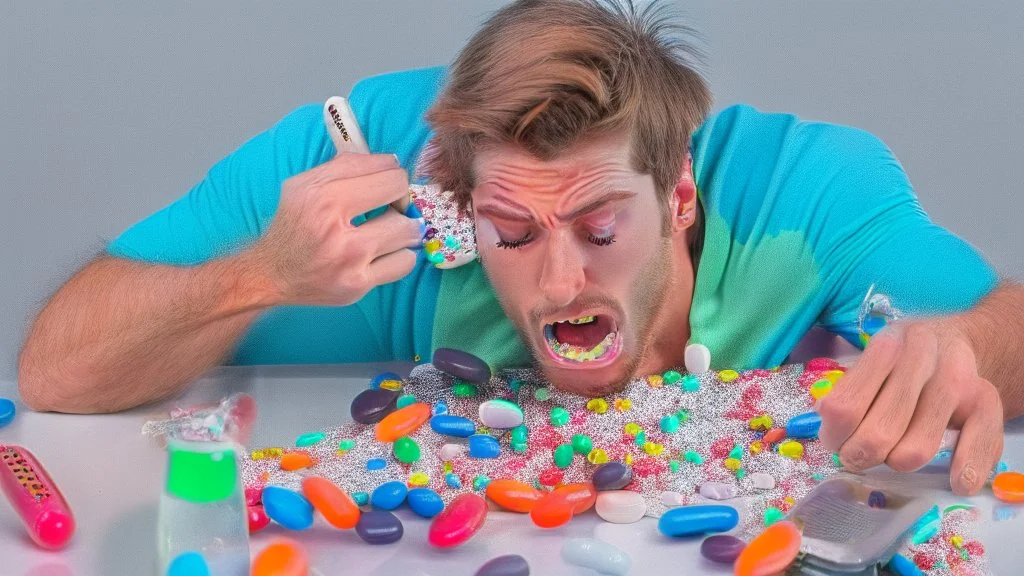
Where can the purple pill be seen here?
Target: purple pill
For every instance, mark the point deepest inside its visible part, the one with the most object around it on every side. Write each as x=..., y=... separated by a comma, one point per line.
x=876, y=499
x=371, y=406
x=612, y=476
x=722, y=548
x=379, y=527
x=461, y=365
x=508, y=565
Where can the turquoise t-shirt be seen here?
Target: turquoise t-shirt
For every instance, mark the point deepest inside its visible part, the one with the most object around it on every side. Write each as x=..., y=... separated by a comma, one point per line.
x=801, y=219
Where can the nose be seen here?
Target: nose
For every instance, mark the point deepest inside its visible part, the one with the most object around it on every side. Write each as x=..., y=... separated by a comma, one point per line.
x=563, y=276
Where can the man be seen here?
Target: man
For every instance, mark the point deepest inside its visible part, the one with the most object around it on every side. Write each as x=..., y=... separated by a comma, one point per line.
x=566, y=128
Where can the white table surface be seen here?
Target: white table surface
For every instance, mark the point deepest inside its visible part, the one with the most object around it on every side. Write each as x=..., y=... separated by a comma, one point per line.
x=112, y=475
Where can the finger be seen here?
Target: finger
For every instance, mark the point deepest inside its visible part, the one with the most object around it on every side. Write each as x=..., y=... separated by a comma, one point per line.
x=980, y=443
x=389, y=232
x=351, y=165
x=924, y=436
x=391, y=267
x=851, y=397
x=361, y=194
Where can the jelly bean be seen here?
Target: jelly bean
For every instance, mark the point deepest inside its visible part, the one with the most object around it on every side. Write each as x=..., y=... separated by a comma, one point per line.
x=900, y=565
x=389, y=495
x=440, y=407
x=188, y=564
x=371, y=406
x=690, y=383
x=402, y=422
x=671, y=377
x=596, y=555
x=762, y=481
x=513, y=495
x=287, y=508
x=697, y=358
x=728, y=375
x=772, y=515
x=559, y=416
x=405, y=400
x=672, y=499
x=346, y=445
x=694, y=520
x=582, y=444
x=693, y=457
x=295, y=461
x=620, y=506
x=418, y=479
x=762, y=422
x=597, y=405
x=805, y=425
x=876, y=499
x=282, y=557
x=507, y=565
x=376, y=464
x=669, y=424
x=484, y=446
x=375, y=382
x=1009, y=487
x=774, y=435
x=552, y=510
x=612, y=476
x=717, y=490
x=258, y=519
x=379, y=527
x=309, y=439
x=480, y=482
x=461, y=365
x=333, y=503
x=794, y=450
x=425, y=502
x=458, y=522
x=406, y=450
x=582, y=496
x=450, y=425
x=452, y=481
x=7, y=411
x=771, y=552
x=360, y=498
x=500, y=414
x=597, y=456
x=563, y=456
x=451, y=451
x=722, y=548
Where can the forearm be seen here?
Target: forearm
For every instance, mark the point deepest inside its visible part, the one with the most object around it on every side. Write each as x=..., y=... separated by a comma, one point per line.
x=995, y=328
x=123, y=333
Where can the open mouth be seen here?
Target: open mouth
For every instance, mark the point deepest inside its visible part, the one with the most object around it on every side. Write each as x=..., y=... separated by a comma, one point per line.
x=583, y=340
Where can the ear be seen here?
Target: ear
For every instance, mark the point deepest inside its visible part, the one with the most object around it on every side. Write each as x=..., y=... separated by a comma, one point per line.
x=683, y=201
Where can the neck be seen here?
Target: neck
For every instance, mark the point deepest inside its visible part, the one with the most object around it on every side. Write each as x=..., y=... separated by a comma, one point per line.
x=671, y=325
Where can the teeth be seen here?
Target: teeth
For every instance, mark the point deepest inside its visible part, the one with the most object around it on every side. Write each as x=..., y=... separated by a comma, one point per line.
x=583, y=320
x=578, y=353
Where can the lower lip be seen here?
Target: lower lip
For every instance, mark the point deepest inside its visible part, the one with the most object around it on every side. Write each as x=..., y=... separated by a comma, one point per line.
x=610, y=356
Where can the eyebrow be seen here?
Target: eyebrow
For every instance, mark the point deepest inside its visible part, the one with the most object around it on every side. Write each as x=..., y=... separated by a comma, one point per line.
x=521, y=214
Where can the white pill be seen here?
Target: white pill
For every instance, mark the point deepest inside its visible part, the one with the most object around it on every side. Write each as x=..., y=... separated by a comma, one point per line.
x=596, y=555
x=697, y=358
x=620, y=506
x=500, y=414
x=762, y=481
x=717, y=490
x=451, y=451
x=671, y=499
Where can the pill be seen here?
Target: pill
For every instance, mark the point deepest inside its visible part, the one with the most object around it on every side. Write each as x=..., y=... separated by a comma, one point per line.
x=500, y=414
x=440, y=407
x=188, y=564
x=484, y=446
x=596, y=555
x=620, y=506
x=389, y=495
x=406, y=450
x=762, y=480
x=333, y=503
x=671, y=499
x=258, y=519
x=282, y=557
x=597, y=405
x=371, y=406
x=7, y=411
x=360, y=498
x=669, y=424
x=559, y=416
x=722, y=548
x=376, y=464
x=458, y=522
x=552, y=510
x=296, y=461
x=612, y=476
x=562, y=455
x=690, y=383
x=253, y=495
x=762, y=422
x=794, y=450
x=876, y=499
x=507, y=565
x=771, y=552
x=418, y=479
x=424, y=502
x=309, y=439
x=670, y=377
x=701, y=519
x=450, y=425
x=451, y=451
x=461, y=365
x=697, y=358
x=376, y=380
x=464, y=390
x=402, y=422
x=1009, y=486
x=287, y=508
x=582, y=496
x=582, y=444
x=900, y=565
x=805, y=425
x=717, y=490
x=774, y=435
x=728, y=375
x=392, y=385
x=379, y=527
x=513, y=495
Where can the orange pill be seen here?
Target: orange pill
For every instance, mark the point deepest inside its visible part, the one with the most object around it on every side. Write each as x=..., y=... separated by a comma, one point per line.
x=333, y=503
x=513, y=495
x=774, y=435
x=582, y=496
x=552, y=511
x=771, y=552
x=402, y=422
x=1009, y=486
x=296, y=460
x=282, y=557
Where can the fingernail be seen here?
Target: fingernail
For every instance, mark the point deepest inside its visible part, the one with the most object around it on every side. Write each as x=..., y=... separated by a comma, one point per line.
x=397, y=161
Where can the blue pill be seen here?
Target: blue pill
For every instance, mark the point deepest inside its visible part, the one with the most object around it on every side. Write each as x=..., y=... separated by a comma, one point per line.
x=903, y=566
x=484, y=446
x=695, y=520
x=379, y=527
x=425, y=502
x=805, y=425
x=389, y=495
x=452, y=480
x=452, y=425
x=188, y=564
x=440, y=407
x=376, y=464
x=287, y=508
x=6, y=412
x=375, y=383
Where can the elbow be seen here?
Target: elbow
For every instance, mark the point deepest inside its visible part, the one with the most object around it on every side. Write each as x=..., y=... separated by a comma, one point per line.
x=44, y=386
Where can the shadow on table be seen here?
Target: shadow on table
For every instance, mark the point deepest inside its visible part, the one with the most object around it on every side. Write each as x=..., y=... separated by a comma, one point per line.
x=129, y=548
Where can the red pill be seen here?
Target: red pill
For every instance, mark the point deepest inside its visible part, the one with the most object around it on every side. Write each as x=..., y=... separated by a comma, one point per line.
x=553, y=510
x=402, y=422
x=771, y=552
x=333, y=503
x=458, y=522
x=283, y=557
x=513, y=495
x=258, y=519
x=582, y=496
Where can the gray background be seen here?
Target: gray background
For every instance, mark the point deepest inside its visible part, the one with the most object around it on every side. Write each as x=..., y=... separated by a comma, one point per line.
x=109, y=111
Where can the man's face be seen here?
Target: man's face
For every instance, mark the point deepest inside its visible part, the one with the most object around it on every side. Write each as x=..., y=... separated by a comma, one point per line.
x=575, y=250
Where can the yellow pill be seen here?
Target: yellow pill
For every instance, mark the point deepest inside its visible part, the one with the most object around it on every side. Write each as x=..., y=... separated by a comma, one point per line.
x=631, y=429
x=597, y=456
x=794, y=450
x=957, y=540
x=432, y=245
x=820, y=389
x=393, y=385
x=419, y=479
x=728, y=375
x=623, y=404
x=597, y=405
x=756, y=447
x=655, y=380
x=274, y=452
x=733, y=464
x=762, y=422
x=628, y=459
x=257, y=455
x=447, y=467
x=833, y=376
x=653, y=449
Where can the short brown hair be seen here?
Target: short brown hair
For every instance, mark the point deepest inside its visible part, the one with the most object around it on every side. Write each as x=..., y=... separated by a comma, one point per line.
x=545, y=74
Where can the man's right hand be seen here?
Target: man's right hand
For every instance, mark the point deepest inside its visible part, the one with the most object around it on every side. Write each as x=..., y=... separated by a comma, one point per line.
x=312, y=254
